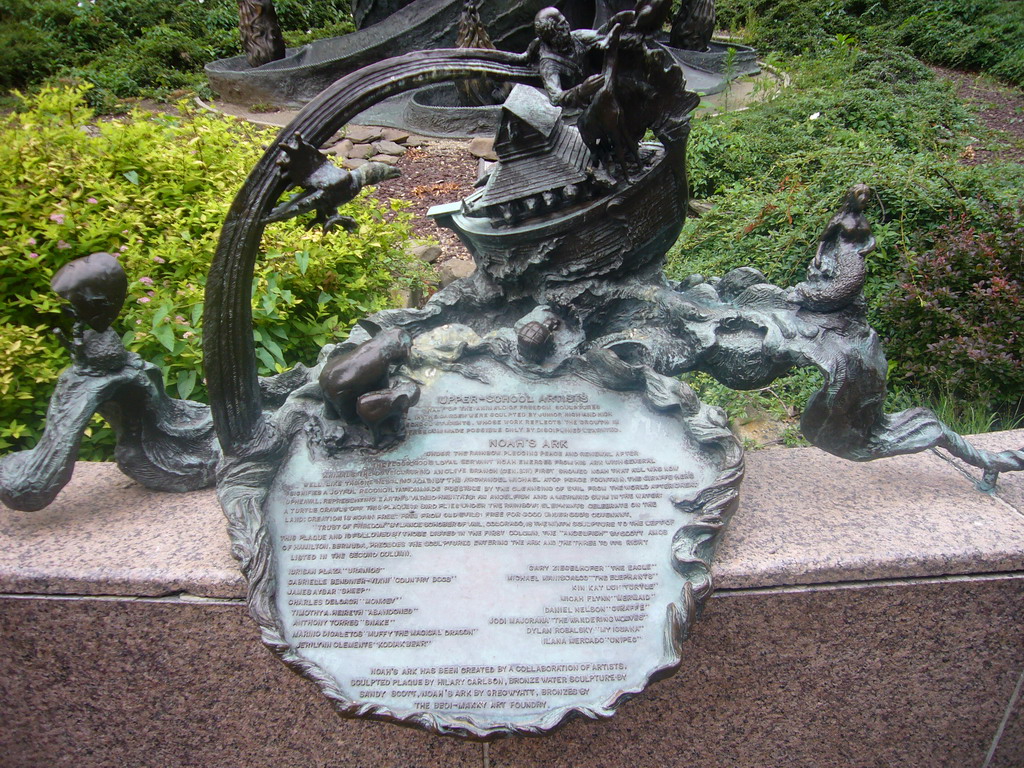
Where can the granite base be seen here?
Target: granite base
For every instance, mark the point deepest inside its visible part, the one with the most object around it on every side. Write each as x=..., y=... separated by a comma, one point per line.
x=868, y=615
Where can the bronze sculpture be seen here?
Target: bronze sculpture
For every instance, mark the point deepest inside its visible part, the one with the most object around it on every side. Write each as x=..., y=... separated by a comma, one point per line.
x=693, y=25
x=568, y=309
x=568, y=294
x=325, y=186
x=260, y=32
x=162, y=443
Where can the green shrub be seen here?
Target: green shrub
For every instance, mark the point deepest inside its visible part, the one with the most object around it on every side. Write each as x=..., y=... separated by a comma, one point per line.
x=955, y=318
x=132, y=48
x=26, y=378
x=985, y=35
x=777, y=172
x=155, y=189
x=29, y=55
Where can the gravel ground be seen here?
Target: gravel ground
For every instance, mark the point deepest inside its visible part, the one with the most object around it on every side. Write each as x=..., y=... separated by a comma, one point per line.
x=440, y=171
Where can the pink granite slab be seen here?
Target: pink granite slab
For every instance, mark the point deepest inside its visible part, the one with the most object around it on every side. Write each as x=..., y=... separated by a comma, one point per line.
x=806, y=517
x=915, y=674
x=107, y=535
x=910, y=675
x=1008, y=751
x=110, y=683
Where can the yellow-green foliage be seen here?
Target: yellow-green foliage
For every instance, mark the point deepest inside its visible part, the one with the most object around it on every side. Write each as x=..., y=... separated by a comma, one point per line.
x=154, y=189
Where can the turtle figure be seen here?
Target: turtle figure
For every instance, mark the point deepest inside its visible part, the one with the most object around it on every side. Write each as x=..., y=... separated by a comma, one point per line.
x=535, y=339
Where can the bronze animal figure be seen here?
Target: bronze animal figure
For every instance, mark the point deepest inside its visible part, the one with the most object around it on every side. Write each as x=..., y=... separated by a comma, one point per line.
x=603, y=123
x=325, y=185
x=535, y=339
x=364, y=369
x=387, y=407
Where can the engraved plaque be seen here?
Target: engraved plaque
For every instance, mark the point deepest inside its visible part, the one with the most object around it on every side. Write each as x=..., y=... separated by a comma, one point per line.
x=534, y=547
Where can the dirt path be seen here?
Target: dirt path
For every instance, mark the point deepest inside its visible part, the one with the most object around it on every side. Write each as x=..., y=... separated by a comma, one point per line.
x=1000, y=108
x=440, y=171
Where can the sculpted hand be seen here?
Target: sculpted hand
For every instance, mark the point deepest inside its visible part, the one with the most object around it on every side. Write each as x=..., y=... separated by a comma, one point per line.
x=590, y=86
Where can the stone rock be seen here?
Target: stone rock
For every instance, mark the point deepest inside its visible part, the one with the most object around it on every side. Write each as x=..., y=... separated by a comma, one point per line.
x=429, y=252
x=700, y=207
x=403, y=297
x=388, y=148
x=386, y=159
x=354, y=162
x=363, y=134
x=395, y=135
x=414, y=141
x=342, y=149
x=483, y=147
x=454, y=269
x=361, y=151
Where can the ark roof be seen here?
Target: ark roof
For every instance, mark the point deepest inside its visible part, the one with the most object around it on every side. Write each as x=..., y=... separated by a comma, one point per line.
x=536, y=151
x=531, y=106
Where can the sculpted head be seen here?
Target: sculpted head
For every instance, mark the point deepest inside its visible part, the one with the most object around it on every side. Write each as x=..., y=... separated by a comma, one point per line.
x=858, y=196
x=552, y=28
x=395, y=344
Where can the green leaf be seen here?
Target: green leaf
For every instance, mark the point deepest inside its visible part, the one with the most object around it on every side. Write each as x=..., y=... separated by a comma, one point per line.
x=274, y=348
x=132, y=176
x=165, y=335
x=160, y=315
x=186, y=383
x=266, y=359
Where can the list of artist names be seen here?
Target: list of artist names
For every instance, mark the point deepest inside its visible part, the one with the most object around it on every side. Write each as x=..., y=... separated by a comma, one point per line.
x=546, y=543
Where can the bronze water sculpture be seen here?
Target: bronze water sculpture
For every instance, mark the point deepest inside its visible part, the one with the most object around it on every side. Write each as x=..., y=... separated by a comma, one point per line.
x=487, y=515
x=269, y=75
x=163, y=443
x=535, y=538
x=260, y=32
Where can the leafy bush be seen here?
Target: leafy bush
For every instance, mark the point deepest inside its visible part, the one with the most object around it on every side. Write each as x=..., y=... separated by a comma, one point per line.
x=777, y=172
x=155, y=189
x=129, y=48
x=968, y=292
x=985, y=35
x=30, y=55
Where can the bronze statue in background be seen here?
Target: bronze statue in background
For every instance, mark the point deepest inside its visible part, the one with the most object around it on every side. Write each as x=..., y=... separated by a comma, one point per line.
x=260, y=31
x=693, y=25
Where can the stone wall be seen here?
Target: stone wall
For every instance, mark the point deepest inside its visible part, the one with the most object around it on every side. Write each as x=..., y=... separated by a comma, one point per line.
x=867, y=615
